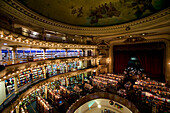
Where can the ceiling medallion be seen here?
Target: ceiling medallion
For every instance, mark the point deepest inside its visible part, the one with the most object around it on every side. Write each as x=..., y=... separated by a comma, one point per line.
x=128, y=28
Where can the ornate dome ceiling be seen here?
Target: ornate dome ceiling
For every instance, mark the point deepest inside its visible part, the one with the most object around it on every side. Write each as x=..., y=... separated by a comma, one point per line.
x=95, y=12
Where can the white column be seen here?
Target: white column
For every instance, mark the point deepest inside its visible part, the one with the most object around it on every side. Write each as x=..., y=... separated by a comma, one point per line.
x=36, y=55
x=45, y=91
x=95, y=61
x=167, y=63
x=9, y=54
x=85, y=74
x=67, y=82
x=1, y=56
x=91, y=73
x=15, y=85
x=82, y=78
x=17, y=109
x=44, y=69
x=2, y=91
x=86, y=52
x=30, y=52
x=66, y=67
x=24, y=55
x=52, y=68
x=111, y=59
x=66, y=53
x=44, y=53
x=97, y=72
x=13, y=55
x=94, y=52
x=85, y=64
x=82, y=62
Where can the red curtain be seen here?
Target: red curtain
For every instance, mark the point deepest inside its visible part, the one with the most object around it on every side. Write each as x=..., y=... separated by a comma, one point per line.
x=152, y=62
x=121, y=60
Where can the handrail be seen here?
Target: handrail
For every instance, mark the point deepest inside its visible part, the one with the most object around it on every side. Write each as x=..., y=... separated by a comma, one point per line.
x=98, y=95
x=52, y=78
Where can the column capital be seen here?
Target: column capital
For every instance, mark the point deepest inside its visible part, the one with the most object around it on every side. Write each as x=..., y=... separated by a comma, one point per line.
x=14, y=48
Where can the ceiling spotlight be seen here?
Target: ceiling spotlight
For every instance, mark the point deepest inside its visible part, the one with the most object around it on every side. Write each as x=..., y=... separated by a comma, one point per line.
x=130, y=35
x=34, y=33
x=143, y=34
x=2, y=36
x=5, y=44
x=99, y=106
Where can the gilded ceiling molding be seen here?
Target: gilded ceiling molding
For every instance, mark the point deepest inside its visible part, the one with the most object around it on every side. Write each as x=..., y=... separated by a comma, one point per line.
x=25, y=14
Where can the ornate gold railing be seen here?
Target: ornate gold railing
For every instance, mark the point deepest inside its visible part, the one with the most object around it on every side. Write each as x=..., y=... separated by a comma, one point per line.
x=104, y=95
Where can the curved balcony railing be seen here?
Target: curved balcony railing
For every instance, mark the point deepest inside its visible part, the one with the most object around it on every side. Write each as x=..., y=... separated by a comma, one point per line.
x=8, y=62
x=51, y=38
x=15, y=97
x=98, y=95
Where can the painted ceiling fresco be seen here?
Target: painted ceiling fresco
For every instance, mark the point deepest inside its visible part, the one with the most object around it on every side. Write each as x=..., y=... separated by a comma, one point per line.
x=95, y=12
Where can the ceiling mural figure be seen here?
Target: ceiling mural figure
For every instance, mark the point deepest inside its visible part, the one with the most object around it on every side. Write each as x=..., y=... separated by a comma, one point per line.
x=103, y=11
x=95, y=12
x=77, y=11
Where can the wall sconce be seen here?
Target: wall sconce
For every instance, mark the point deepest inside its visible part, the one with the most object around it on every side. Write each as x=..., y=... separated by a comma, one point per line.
x=108, y=60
